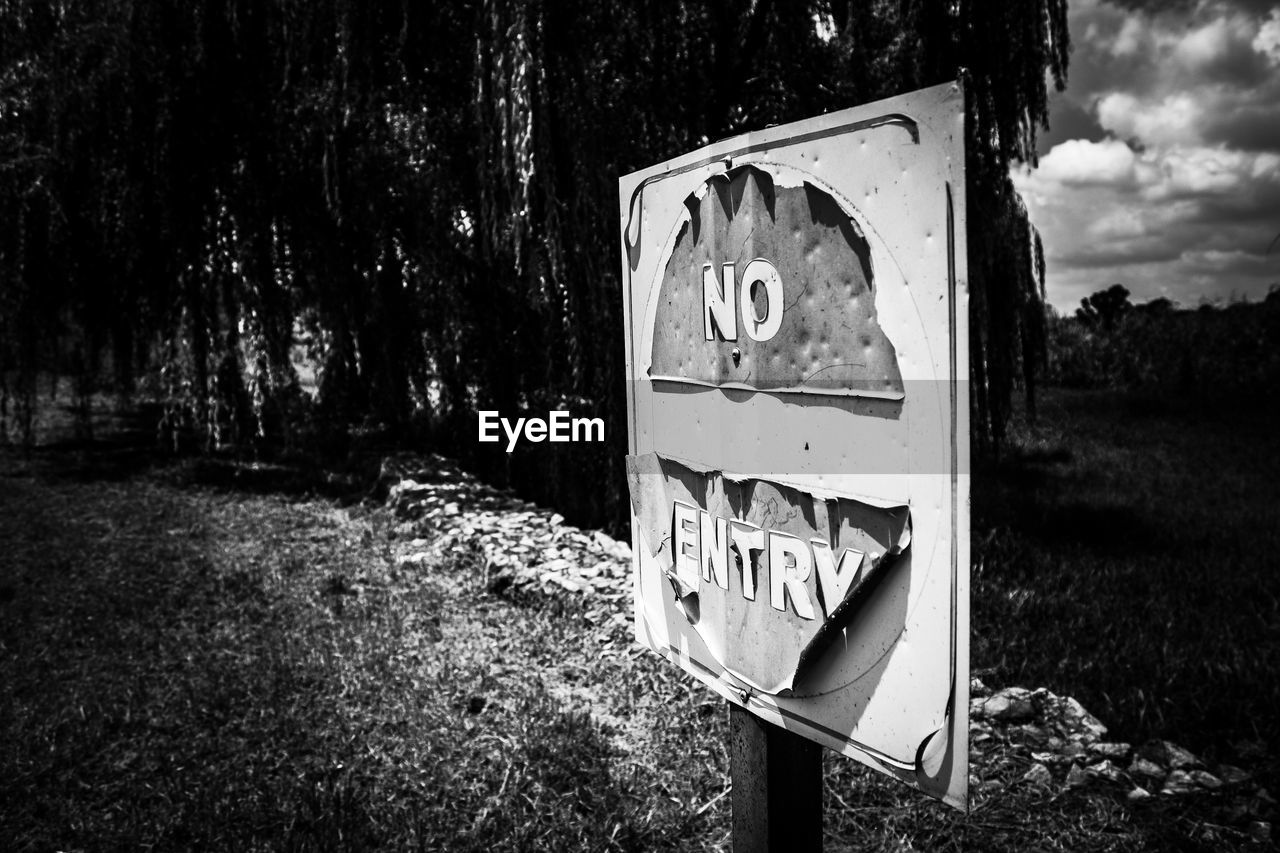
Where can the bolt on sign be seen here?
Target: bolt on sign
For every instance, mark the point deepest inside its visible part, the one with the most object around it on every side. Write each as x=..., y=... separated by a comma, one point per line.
x=798, y=417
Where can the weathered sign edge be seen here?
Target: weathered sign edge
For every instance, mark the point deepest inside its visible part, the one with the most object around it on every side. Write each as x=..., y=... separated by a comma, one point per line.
x=952, y=787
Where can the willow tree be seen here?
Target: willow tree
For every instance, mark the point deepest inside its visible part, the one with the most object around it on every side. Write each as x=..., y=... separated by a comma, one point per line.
x=191, y=186
x=569, y=96
x=424, y=195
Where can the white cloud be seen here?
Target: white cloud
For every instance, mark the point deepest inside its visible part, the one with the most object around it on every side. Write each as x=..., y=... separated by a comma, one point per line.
x=1130, y=38
x=1206, y=171
x=1171, y=119
x=1266, y=165
x=1079, y=162
x=1214, y=259
x=1162, y=171
x=1267, y=41
x=1200, y=47
x=1163, y=221
x=1119, y=222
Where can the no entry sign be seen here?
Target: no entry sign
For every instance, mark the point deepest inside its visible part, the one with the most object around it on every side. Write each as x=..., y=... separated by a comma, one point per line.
x=796, y=334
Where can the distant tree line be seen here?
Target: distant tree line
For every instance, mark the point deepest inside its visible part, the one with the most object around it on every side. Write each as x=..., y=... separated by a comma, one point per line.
x=1208, y=353
x=422, y=197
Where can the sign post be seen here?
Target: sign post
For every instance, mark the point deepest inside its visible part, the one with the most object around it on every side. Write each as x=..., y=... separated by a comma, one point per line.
x=777, y=787
x=797, y=356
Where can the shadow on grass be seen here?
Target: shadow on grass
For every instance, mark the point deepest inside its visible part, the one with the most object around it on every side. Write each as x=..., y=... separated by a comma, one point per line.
x=1130, y=565
x=156, y=695
x=183, y=671
x=1036, y=491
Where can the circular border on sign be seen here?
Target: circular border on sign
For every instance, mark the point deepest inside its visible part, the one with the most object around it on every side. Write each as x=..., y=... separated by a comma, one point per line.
x=897, y=322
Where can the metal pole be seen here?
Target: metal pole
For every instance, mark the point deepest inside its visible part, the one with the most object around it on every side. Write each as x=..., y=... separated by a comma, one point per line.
x=777, y=787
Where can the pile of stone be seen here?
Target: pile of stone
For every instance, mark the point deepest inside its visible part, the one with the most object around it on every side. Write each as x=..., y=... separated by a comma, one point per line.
x=443, y=510
x=1066, y=747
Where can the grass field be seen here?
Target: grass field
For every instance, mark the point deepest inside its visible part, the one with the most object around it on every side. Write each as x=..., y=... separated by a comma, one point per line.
x=1125, y=553
x=189, y=662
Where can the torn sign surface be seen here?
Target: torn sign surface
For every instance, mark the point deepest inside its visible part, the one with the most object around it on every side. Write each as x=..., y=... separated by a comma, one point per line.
x=766, y=574
x=797, y=420
x=770, y=286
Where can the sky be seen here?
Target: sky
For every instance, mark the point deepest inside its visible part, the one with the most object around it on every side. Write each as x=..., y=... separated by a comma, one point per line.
x=1161, y=167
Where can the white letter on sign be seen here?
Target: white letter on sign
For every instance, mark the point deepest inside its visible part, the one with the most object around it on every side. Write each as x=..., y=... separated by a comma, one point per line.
x=717, y=304
x=684, y=545
x=790, y=565
x=714, y=533
x=747, y=538
x=834, y=582
x=761, y=328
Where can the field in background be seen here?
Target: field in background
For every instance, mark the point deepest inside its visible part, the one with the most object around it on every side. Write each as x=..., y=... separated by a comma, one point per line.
x=1126, y=553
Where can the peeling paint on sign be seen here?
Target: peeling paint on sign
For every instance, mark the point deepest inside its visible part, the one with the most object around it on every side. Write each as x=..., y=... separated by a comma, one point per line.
x=769, y=287
x=749, y=559
x=798, y=427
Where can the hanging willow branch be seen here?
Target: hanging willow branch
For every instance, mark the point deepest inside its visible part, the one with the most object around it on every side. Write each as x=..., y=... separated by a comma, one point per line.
x=1007, y=49
x=421, y=196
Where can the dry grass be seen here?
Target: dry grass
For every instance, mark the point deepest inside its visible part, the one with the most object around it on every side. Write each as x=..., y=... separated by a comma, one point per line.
x=191, y=667
x=1127, y=551
x=194, y=669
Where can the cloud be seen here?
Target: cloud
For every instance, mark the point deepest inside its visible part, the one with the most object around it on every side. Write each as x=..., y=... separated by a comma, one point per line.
x=1171, y=119
x=1130, y=39
x=1201, y=172
x=1219, y=50
x=1080, y=162
x=1152, y=175
x=1180, y=221
x=1161, y=168
x=1267, y=41
x=1204, y=42
x=1189, y=73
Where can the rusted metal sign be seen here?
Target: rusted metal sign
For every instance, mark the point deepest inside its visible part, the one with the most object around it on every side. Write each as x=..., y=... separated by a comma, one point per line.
x=797, y=349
